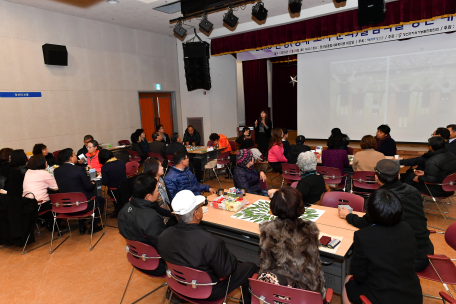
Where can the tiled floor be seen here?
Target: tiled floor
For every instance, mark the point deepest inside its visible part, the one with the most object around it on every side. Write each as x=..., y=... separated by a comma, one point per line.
x=74, y=274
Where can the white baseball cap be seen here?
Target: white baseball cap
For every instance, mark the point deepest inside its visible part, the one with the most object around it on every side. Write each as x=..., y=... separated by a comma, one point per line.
x=185, y=201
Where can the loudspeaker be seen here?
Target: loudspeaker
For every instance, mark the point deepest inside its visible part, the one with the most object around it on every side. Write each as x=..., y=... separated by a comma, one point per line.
x=55, y=54
x=371, y=11
x=196, y=61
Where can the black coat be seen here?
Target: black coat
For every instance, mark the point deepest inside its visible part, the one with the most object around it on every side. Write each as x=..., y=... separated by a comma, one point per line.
x=194, y=138
x=286, y=147
x=113, y=173
x=421, y=160
x=311, y=188
x=388, y=147
x=439, y=165
x=267, y=132
x=413, y=214
x=51, y=160
x=158, y=147
x=71, y=178
x=245, y=143
x=174, y=147
x=192, y=246
x=166, y=139
x=453, y=143
x=5, y=169
x=16, y=180
x=248, y=179
x=383, y=264
x=137, y=147
x=294, y=152
x=83, y=151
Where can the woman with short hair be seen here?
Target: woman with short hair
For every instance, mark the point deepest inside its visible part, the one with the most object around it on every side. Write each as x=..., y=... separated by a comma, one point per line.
x=289, y=245
x=383, y=263
x=367, y=159
x=312, y=185
x=245, y=139
x=297, y=149
x=42, y=149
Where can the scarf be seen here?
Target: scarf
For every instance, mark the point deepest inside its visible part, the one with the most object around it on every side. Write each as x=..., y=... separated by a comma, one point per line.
x=308, y=173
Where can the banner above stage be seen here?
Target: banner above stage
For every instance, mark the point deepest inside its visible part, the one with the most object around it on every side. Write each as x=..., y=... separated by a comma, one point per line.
x=406, y=31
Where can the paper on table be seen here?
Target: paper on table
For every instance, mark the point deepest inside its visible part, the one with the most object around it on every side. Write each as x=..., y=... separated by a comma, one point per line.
x=118, y=147
x=329, y=250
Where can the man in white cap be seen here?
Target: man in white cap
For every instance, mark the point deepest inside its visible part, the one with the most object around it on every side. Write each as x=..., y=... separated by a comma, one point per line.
x=189, y=244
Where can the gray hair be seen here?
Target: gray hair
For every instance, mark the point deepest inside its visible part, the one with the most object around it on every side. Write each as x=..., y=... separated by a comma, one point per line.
x=307, y=161
x=188, y=217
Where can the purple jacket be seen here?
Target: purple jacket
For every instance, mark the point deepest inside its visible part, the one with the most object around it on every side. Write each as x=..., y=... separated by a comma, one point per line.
x=335, y=158
x=248, y=179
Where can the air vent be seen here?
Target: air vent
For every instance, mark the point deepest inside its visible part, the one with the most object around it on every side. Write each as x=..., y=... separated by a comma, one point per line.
x=169, y=8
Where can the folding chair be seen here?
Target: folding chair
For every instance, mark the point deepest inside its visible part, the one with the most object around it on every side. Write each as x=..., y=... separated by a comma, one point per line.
x=294, y=185
x=124, y=142
x=364, y=180
x=334, y=199
x=72, y=206
x=143, y=257
x=132, y=168
x=134, y=156
x=333, y=176
x=446, y=298
x=159, y=157
x=290, y=173
x=268, y=293
x=170, y=162
x=365, y=300
x=192, y=285
x=110, y=199
x=56, y=154
x=223, y=162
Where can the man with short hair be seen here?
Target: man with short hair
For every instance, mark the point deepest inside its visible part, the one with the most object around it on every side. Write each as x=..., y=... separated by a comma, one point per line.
x=220, y=140
x=177, y=146
x=387, y=176
x=192, y=137
x=285, y=143
x=385, y=144
x=189, y=244
x=83, y=150
x=165, y=137
x=181, y=178
x=452, y=129
x=159, y=147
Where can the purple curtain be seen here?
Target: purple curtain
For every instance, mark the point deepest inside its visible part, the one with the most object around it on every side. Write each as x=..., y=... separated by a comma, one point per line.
x=255, y=89
x=284, y=95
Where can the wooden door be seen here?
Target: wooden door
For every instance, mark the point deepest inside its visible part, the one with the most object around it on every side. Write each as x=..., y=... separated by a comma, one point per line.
x=156, y=109
x=165, y=114
x=147, y=116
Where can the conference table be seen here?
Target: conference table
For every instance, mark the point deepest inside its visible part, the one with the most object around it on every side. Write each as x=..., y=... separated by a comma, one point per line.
x=242, y=238
x=204, y=153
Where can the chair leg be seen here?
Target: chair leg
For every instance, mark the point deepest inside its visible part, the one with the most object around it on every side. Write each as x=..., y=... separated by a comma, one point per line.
x=170, y=296
x=162, y=285
x=215, y=172
x=26, y=242
x=91, y=234
x=52, y=238
x=164, y=295
x=126, y=287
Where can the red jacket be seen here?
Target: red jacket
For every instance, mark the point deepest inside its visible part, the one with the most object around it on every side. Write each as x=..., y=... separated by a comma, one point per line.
x=93, y=161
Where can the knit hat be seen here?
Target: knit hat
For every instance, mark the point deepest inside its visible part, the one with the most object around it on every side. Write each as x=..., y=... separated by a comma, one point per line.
x=243, y=157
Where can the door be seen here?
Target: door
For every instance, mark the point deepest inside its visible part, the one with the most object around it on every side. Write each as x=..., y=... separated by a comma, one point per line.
x=147, y=117
x=156, y=109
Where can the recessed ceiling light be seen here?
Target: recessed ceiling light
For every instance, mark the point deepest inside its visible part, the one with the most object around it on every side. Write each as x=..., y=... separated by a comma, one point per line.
x=112, y=1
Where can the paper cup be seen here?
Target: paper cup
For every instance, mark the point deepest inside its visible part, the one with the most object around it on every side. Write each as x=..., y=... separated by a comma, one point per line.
x=396, y=156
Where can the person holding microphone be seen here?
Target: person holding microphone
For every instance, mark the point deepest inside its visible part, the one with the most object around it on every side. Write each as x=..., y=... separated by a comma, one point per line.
x=263, y=128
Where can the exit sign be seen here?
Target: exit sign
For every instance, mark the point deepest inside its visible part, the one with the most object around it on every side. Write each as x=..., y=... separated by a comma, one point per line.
x=158, y=87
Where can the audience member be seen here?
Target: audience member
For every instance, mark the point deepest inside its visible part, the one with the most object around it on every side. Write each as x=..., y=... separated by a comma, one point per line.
x=153, y=167
x=263, y=128
x=42, y=149
x=180, y=177
x=165, y=137
x=246, y=176
x=5, y=166
x=384, y=253
x=189, y=244
x=385, y=144
x=158, y=147
x=275, y=154
x=139, y=221
x=297, y=149
x=335, y=156
x=367, y=159
x=312, y=185
x=289, y=245
x=222, y=142
x=83, y=150
x=92, y=156
x=137, y=146
x=37, y=181
x=177, y=146
x=245, y=139
x=387, y=176
x=452, y=129
x=285, y=142
x=192, y=137
x=345, y=138
x=143, y=141
x=71, y=178
x=17, y=173
x=445, y=133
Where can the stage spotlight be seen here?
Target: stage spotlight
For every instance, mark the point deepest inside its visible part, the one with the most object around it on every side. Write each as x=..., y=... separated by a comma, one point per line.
x=295, y=6
x=230, y=19
x=259, y=11
x=179, y=30
x=205, y=24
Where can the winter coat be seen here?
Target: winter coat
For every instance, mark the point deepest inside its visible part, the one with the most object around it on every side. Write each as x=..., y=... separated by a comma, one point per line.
x=387, y=146
x=439, y=165
x=276, y=154
x=93, y=161
x=245, y=143
x=294, y=152
x=248, y=179
x=194, y=138
x=177, y=180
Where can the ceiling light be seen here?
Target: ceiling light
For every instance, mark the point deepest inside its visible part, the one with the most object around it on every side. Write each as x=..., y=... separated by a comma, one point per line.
x=230, y=19
x=295, y=6
x=179, y=30
x=340, y=1
x=205, y=24
x=259, y=11
x=112, y=1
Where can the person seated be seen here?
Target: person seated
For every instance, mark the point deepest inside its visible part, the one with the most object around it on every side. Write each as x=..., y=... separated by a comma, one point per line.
x=158, y=147
x=275, y=154
x=92, y=156
x=42, y=149
x=345, y=138
x=144, y=143
x=177, y=146
x=83, y=151
x=285, y=142
x=245, y=139
x=153, y=167
x=335, y=156
x=17, y=172
x=367, y=159
x=439, y=164
x=113, y=172
x=289, y=245
x=312, y=185
x=71, y=178
x=383, y=263
x=192, y=137
x=452, y=141
x=387, y=176
x=385, y=144
x=220, y=141
x=37, y=181
x=297, y=149
x=445, y=133
x=139, y=221
x=188, y=244
x=137, y=147
x=165, y=137
x=5, y=166
x=246, y=176
x=180, y=177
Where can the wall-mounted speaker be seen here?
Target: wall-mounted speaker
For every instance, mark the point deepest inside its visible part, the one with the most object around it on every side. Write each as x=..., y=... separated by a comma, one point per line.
x=55, y=54
x=196, y=61
x=371, y=11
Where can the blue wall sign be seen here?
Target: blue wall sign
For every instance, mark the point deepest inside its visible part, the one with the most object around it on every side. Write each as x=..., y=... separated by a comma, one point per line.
x=158, y=87
x=19, y=94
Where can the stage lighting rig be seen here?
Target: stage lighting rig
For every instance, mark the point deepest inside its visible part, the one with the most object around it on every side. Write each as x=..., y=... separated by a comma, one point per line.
x=230, y=19
x=259, y=11
x=179, y=30
x=205, y=24
x=295, y=6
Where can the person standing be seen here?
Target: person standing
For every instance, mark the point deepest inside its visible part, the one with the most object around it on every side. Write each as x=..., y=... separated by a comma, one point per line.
x=263, y=128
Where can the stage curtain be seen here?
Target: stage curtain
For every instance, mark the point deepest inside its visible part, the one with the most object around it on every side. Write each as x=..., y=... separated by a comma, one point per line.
x=255, y=89
x=401, y=11
x=284, y=95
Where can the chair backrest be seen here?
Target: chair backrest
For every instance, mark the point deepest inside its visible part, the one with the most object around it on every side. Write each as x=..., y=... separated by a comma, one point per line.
x=365, y=180
x=350, y=151
x=294, y=184
x=132, y=168
x=263, y=185
x=124, y=142
x=336, y=198
x=68, y=202
x=133, y=154
x=223, y=158
x=141, y=255
x=291, y=172
x=445, y=297
x=56, y=153
x=365, y=300
x=192, y=283
x=210, y=143
x=450, y=236
x=156, y=155
x=331, y=175
x=233, y=145
x=449, y=183
x=269, y=293
x=170, y=160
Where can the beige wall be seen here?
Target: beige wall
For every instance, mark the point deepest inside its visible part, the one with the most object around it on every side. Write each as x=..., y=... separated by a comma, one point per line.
x=96, y=94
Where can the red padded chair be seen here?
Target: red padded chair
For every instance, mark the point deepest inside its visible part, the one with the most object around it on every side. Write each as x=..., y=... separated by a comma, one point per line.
x=156, y=155
x=190, y=284
x=365, y=300
x=71, y=206
x=263, y=185
x=350, y=151
x=442, y=268
x=132, y=168
x=223, y=162
x=446, y=298
x=233, y=145
x=110, y=199
x=294, y=185
x=124, y=142
x=210, y=143
x=364, y=180
x=143, y=257
x=170, y=162
x=134, y=156
x=334, y=199
x=332, y=176
x=56, y=154
x=290, y=173
x=263, y=292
